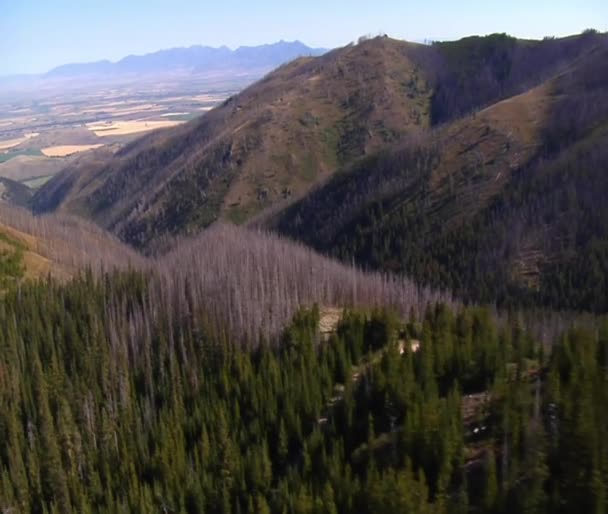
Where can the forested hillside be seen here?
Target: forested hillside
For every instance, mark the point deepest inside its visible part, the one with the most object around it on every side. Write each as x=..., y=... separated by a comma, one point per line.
x=505, y=205
x=108, y=406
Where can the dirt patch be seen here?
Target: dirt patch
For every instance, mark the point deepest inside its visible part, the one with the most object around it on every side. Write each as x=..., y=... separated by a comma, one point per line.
x=473, y=406
x=329, y=319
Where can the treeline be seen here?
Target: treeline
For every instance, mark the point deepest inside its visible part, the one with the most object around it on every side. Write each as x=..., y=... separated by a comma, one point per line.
x=445, y=412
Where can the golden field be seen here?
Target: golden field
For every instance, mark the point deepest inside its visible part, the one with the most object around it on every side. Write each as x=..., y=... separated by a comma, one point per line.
x=122, y=128
x=65, y=150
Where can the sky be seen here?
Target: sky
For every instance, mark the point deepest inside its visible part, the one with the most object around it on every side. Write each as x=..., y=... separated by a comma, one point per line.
x=36, y=35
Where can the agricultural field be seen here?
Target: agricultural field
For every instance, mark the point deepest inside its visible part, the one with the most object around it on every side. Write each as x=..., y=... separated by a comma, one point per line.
x=123, y=128
x=65, y=150
x=44, y=129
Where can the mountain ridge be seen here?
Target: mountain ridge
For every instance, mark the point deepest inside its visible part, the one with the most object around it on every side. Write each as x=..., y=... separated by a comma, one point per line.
x=196, y=58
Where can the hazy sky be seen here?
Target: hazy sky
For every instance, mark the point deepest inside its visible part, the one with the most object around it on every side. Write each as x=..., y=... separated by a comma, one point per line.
x=36, y=35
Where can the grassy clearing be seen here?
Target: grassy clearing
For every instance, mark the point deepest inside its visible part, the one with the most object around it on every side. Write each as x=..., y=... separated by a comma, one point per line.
x=19, y=257
x=181, y=116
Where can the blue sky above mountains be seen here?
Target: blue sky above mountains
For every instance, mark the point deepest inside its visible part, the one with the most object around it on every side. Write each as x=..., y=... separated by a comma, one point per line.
x=36, y=35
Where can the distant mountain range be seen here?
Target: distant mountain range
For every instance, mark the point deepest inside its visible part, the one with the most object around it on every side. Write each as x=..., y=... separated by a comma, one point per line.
x=195, y=59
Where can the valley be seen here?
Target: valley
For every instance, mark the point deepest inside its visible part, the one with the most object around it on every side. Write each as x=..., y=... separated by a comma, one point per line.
x=280, y=279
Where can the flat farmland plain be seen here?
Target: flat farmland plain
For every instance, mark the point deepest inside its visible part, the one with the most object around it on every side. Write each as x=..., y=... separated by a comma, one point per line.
x=45, y=126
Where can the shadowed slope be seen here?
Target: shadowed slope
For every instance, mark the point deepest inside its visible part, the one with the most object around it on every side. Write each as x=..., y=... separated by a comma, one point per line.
x=505, y=204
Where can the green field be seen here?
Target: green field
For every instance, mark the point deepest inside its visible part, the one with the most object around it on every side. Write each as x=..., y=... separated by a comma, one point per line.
x=10, y=154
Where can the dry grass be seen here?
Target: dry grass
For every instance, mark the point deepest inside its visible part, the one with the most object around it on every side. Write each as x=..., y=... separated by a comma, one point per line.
x=523, y=116
x=123, y=128
x=65, y=150
x=5, y=145
x=36, y=265
x=490, y=146
x=17, y=235
x=62, y=246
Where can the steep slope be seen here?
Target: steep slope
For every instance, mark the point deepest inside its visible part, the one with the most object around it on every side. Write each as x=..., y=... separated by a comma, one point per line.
x=506, y=204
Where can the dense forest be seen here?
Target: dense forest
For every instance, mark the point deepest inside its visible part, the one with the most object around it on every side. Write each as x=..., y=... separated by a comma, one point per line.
x=449, y=411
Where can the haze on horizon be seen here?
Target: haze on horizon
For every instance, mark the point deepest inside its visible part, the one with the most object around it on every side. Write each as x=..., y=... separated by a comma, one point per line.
x=37, y=36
